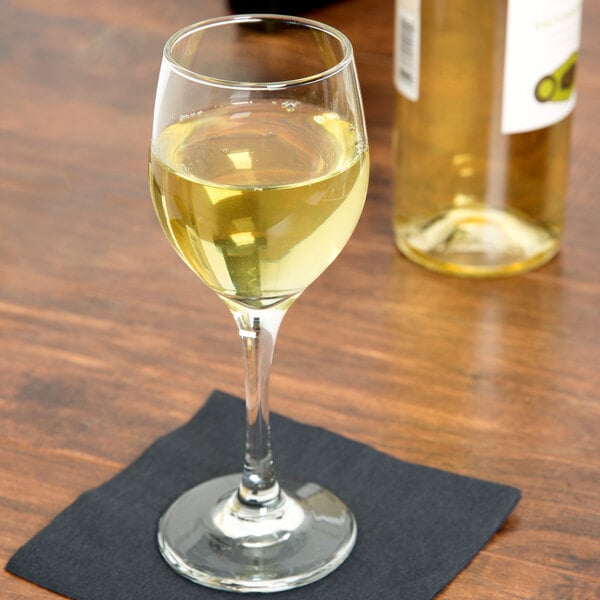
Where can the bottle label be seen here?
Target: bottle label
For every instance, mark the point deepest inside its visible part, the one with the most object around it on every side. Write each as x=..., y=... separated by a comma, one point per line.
x=542, y=43
x=407, y=48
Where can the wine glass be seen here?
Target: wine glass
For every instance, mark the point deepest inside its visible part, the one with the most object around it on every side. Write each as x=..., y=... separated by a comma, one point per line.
x=258, y=174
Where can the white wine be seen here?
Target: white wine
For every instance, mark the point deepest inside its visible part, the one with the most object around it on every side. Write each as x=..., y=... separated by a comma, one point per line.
x=258, y=198
x=474, y=193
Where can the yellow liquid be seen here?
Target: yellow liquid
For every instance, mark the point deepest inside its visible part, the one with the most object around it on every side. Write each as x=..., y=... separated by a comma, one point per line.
x=259, y=198
x=469, y=200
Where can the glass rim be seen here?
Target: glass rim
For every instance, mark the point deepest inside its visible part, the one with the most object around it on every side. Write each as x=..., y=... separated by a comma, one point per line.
x=345, y=44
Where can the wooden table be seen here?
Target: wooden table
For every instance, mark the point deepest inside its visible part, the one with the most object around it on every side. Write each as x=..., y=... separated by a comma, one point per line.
x=108, y=341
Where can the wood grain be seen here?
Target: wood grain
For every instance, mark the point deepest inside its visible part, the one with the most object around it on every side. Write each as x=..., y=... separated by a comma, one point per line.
x=107, y=341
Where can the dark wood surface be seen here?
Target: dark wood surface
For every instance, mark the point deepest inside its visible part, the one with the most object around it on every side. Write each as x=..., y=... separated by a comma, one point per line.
x=107, y=341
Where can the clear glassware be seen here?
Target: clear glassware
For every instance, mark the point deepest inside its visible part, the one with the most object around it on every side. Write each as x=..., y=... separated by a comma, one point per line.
x=258, y=173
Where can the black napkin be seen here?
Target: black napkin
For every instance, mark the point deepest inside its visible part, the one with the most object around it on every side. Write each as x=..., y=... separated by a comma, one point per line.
x=417, y=527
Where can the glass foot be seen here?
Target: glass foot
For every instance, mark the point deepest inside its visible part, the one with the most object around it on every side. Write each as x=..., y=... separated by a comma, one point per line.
x=210, y=537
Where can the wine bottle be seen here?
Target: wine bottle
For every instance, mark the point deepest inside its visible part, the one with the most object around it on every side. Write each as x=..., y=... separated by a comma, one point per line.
x=485, y=96
x=284, y=7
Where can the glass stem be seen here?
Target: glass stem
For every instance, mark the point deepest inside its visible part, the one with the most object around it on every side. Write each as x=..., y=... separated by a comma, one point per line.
x=258, y=331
